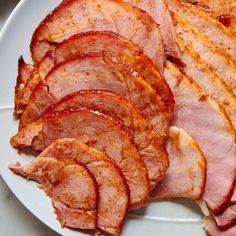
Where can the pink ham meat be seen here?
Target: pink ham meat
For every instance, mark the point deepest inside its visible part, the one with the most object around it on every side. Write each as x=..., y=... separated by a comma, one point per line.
x=186, y=174
x=205, y=121
x=113, y=193
x=212, y=229
x=227, y=218
x=150, y=147
x=210, y=27
x=158, y=10
x=98, y=131
x=76, y=16
x=24, y=74
x=123, y=50
x=71, y=188
x=97, y=72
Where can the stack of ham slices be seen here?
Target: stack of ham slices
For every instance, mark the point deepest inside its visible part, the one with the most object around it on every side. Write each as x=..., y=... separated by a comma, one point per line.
x=127, y=101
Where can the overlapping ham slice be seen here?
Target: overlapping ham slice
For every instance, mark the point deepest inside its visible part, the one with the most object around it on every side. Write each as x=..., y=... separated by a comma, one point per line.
x=123, y=50
x=213, y=29
x=112, y=190
x=205, y=121
x=158, y=10
x=149, y=145
x=224, y=12
x=223, y=65
x=24, y=74
x=199, y=71
x=212, y=229
x=99, y=72
x=76, y=16
x=71, y=188
x=97, y=131
x=186, y=174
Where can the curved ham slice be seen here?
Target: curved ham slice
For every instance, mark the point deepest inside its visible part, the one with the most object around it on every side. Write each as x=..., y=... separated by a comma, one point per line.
x=212, y=85
x=113, y=193
x=123, y=50
x=98, y=131
x=222, y=65
x=210, y=27
x=212, y=229
x=158, y=10
x=186, y=174
x=205, y=121
x=71, y=188
x=24, y=74
x=97, y=72
x=76, y=16
x=149, y=145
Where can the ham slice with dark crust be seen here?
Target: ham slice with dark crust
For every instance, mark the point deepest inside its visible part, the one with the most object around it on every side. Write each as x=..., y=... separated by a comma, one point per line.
x=24, y=74
x=71, y=188
x=98, y=72
x=186, y=175
x=206, y=122
x=123, y=50
x=212, y=229
x=97, y=131
x=112, y=190
x=149, y=145
x=77, y=16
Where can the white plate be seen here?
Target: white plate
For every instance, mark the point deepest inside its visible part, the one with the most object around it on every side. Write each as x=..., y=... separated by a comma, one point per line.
x=176, y=218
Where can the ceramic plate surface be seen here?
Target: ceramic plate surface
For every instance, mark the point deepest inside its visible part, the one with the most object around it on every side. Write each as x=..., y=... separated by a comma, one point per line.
x=164, y=218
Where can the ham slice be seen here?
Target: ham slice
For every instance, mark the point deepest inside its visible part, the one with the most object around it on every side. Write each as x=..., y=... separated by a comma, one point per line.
x=71, y=188
x=158, y=10
x=210, y=27
x=227, y=218
x=206, y=122
x=99, y=72
x=223, y=65
x=224, y=13
x=212, y=229
x=98, y=131
x=77, y=16
x=186, y=174
x=113, y=193
x=199, y=71
x=123, y=50
x=24, y=74
x=150, y=146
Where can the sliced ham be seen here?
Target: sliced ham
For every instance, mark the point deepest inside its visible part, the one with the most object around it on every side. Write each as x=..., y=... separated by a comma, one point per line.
x=97, y=72
x=113, y=193
x=158, y=10
x=212, y=28
x=76, y=16
x=223, y=65
x=199, y=71
x=150, y=146
x=212, y=229
x=24, y=74
x=98, y=131
x=186, y=174
x=71, y=188
x=227, y=218
x=206, y=122
x=224, y=13
x=123, y=50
